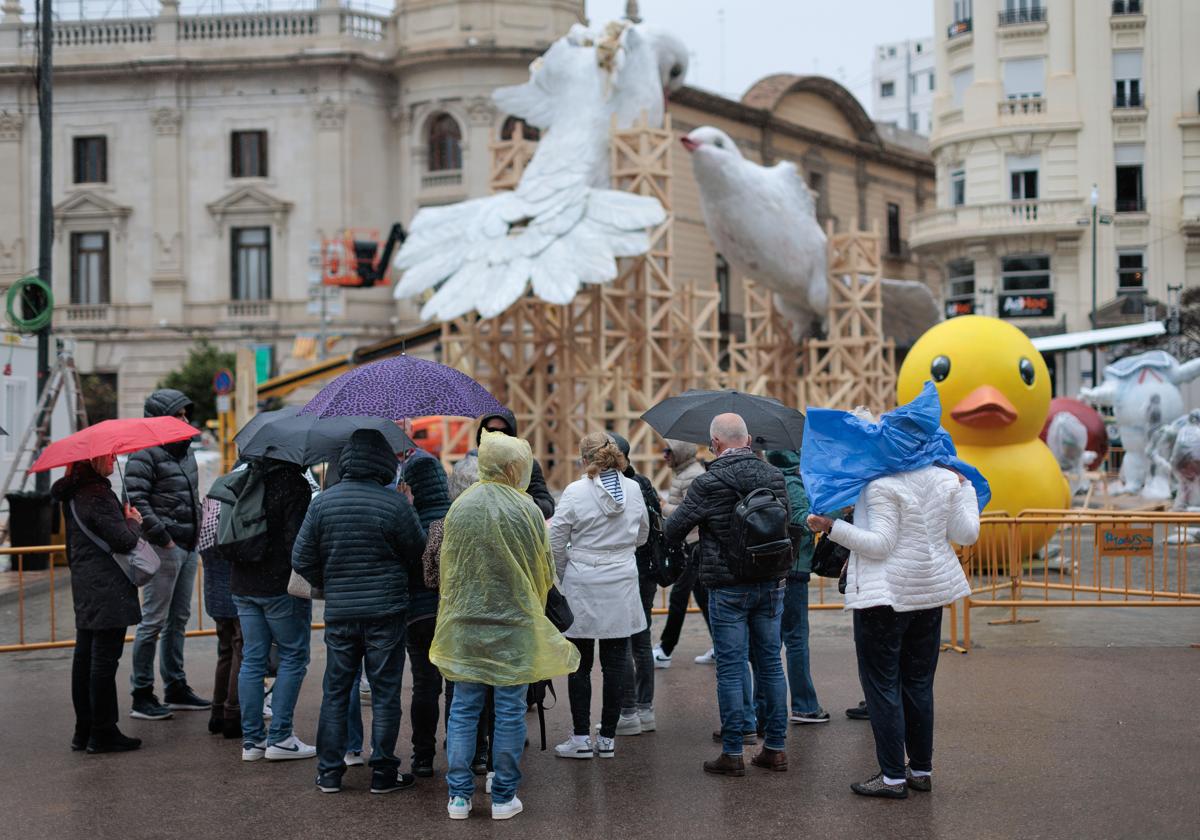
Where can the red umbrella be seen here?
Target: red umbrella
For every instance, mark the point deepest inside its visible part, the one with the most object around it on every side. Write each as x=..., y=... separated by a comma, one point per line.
x=113, y=437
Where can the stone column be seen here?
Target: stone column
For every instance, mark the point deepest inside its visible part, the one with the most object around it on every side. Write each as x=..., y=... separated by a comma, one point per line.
x=167, y=197
x=12, y=202
x=477, y=155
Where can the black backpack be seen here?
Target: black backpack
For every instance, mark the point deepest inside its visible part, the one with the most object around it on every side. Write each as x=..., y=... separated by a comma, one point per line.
x=667, y=560
x=758, y=546
x=242, y=526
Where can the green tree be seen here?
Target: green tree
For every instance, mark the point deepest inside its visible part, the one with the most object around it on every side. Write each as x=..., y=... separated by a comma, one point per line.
x=195, y=378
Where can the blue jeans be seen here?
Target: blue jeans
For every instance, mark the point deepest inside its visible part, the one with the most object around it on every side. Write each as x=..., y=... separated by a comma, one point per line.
x=354, y=726
x=795, y=640
x=745, y=620
x=166, y=608
x=379, y=645
x=287, y=621
x=507, y=745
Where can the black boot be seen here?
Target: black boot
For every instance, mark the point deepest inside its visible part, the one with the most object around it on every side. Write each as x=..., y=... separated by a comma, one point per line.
x=232, y=727
x=216, y=723
x=113, y=741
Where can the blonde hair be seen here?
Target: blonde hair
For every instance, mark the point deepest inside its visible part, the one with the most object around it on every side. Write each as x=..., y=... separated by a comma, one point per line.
x=600, y=453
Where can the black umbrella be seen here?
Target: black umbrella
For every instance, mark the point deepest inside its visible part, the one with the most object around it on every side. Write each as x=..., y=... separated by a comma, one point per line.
x=687, y=417
x=261, y=419
x=307, y=439
x=2, y=432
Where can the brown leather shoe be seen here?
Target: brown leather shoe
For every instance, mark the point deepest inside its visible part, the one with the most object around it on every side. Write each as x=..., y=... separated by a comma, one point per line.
x=726, y=765
x=770, y=759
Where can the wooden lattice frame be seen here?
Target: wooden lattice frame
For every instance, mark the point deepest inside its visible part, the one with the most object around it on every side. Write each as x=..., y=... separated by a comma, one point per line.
x=616, y=350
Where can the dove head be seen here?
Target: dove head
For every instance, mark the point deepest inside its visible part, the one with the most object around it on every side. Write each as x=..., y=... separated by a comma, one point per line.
x=671, y=54
x=710, y=147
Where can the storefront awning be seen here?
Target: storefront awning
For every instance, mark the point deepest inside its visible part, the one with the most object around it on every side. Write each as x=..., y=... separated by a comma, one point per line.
x=1091, y=338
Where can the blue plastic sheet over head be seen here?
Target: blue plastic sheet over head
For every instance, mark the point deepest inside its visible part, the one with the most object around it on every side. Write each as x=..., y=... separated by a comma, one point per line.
x=842, y=453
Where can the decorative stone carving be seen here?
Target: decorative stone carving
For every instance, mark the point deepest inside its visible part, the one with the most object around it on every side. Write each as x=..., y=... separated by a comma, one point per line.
x=168, y=252
x=11, y=125
x=10, y=257
x=253, y=206
x=330, y=115
x=166, y=121
x=93, y=208
x=481, y=111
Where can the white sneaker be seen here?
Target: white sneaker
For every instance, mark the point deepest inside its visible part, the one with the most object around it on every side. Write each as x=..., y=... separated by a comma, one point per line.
x=290, y=748
x=252, y=751
x=507, y=810
x=646, y=719
x=661, y=660
x=354, y=758
x=459, y=807
x=606, y=747
x=629, y=725
x=487, y=783
x=577, y=746
x=708, y=658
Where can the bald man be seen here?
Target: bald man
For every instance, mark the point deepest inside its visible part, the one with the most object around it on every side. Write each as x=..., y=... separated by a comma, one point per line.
x=744, y=616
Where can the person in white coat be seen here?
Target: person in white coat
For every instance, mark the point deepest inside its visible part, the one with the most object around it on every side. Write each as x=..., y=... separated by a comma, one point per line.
x=598, y=524
x=901, y=572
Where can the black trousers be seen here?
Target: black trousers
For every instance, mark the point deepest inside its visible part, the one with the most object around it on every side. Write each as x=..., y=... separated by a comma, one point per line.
x=579, y=684
x=897, y=658
x=426, y=688
x=229, y=663
x=677, y=602
x=94, y=681
x=638, y=692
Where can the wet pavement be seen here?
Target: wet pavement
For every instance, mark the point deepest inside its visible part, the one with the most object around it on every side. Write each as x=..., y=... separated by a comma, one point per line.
x=1047, y=730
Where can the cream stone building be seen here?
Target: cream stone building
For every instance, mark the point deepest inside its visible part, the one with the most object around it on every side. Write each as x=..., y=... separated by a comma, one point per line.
x=200, y=153
x=1037, y=101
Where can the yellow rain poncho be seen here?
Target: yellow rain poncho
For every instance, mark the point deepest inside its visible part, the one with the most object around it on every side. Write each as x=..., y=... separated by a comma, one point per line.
x=495, y=573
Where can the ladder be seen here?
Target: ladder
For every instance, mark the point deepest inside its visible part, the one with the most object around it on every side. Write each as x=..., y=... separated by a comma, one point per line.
x=64, y=382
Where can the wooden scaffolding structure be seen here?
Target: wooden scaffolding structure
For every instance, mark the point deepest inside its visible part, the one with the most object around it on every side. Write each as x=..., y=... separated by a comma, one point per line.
x=600, y=361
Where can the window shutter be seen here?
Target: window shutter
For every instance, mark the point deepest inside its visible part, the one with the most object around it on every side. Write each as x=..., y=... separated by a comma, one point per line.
x=1024, y=77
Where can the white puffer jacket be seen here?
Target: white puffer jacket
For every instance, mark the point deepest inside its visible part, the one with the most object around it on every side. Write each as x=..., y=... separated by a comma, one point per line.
x=901, y=555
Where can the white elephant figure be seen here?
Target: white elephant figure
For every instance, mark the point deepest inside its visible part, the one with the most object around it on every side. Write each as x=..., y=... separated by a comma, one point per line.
x=1144, y=394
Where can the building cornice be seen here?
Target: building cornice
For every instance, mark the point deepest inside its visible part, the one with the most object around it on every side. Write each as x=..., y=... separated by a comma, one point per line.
x=943, y=139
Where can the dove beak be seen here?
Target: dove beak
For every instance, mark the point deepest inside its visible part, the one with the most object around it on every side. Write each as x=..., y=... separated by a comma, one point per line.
x=689, y=144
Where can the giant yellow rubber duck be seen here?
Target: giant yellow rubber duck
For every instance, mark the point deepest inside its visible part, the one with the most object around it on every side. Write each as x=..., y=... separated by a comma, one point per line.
x=995, y=392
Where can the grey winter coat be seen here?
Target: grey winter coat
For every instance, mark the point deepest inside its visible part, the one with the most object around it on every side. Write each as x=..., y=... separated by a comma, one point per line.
x=162, y=481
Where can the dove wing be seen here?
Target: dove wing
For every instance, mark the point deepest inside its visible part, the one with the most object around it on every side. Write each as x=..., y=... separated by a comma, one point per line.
x=909, y=310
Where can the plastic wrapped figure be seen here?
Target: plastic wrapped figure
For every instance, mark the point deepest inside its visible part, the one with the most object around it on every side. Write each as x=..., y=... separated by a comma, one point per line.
x=1067, y=439
x=1143, y=392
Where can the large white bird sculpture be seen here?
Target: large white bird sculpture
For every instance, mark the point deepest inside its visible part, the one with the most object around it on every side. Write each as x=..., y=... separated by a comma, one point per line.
x=763, y=221
x=562, y=226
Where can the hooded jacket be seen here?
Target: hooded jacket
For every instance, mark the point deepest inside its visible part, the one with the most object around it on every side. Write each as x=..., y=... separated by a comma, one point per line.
x=162, y=481
x=537, y=489
x=649, y=496
x=104, y=598
x=709, y=504
x=685, y=468
x=360, y=539
x=286, y=499
x=594, y=538
x=788, y=462
x=426, y=478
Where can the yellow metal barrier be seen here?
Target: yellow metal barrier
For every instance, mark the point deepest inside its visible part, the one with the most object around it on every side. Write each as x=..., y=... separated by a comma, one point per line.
x=1093, y=559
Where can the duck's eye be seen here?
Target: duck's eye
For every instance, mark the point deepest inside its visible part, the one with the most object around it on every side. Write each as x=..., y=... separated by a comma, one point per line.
x=676, y=71
x=720, y=144
x=940, y=368
x=1027, y=372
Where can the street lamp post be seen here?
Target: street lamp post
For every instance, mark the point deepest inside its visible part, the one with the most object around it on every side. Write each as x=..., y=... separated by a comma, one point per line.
x=1095, y=202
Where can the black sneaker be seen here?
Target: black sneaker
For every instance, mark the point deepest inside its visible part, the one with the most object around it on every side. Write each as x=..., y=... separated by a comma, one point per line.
x=112, y=742
x=79, y=740
x=922, y=783
x=390, y=780
x=876, y=786
x=819, y=716
x=180, y=696
x=147, y=707
x=422, y=767
x=859, y=712
x=329, y=783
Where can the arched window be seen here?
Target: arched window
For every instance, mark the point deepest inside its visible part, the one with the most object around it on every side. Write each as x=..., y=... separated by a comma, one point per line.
x=509, y=129
x=445, y=144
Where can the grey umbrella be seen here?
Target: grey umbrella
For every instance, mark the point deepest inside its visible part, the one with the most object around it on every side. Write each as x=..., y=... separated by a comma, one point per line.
x=308, y=440
x=686, y=417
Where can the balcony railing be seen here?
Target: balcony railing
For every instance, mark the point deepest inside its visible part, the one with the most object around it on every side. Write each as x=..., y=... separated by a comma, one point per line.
x=1012, y=17
x=95, y=33
x=248, y=310
x=1126, y=7
x=959, y=27
x=1129, y=100
x=449, y=178
x=224, y=27
x=1131, y=205
x=88, y=313
x=1028, y=105
x=999, y=218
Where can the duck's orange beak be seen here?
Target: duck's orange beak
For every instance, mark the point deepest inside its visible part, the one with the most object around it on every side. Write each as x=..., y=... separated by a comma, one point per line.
x=985, y=408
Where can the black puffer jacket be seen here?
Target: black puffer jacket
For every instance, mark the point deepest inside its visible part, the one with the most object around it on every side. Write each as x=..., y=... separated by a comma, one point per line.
x=709, y=504
x=162, y=481
x=104, y=597
x=537, y=489
x=286, y=498
x=431, y=497
x=360, y=539
x=650, y=497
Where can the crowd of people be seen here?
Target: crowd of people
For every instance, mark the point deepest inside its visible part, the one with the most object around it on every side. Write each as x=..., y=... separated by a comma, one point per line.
x=468, y=576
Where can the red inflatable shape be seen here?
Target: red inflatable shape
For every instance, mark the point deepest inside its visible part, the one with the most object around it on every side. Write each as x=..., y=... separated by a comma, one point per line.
x=1097, y=440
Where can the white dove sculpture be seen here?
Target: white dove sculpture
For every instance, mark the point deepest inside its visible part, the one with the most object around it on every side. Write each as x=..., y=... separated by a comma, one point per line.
x=562, y=226
x=763, y=221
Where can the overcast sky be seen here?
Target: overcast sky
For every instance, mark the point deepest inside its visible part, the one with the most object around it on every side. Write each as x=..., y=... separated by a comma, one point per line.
x=833, y=38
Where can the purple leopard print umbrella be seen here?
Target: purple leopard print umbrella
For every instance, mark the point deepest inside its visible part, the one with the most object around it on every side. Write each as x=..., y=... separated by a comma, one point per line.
x=403, y=387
